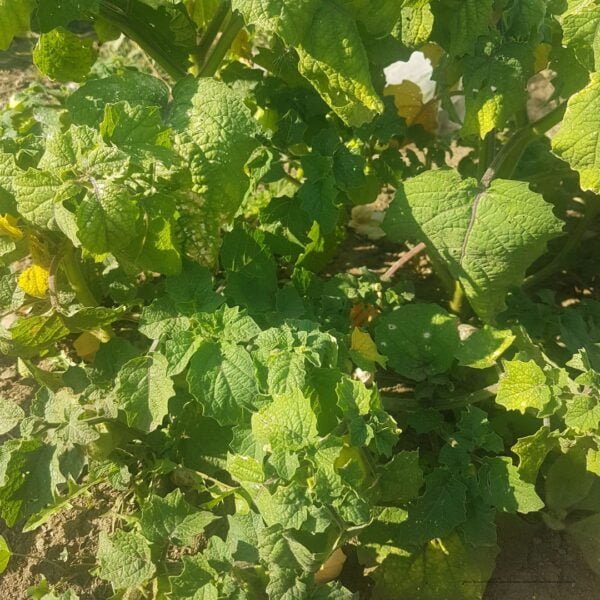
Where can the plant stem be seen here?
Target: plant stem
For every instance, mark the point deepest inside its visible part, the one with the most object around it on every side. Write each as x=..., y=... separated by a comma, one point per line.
x=506, y=161
x=405, y=258
x=412, y=405
x=210, y=33
x=233, y=27
x=591, y=211
x=72, y=267
x=456, y=304
x=142, y=34
x=486, y=152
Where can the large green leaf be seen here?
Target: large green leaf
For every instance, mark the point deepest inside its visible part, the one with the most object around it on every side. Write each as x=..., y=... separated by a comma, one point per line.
x=107, y=219
x=447, y=568
x=143, y=391
x=288, y=424
x=332, y=55
x=64, y=56
x=578, y=141
x=172, y=519
x=14, y=19
x=124, y=559
x=222, y=378
x=460, y=23
x=503, y=488
x=523, y=385
x=486, y=238
x=416, y=22
x=419, y=340
x=86, y=105
x=55, y=14
x=216, y=136
x=495, y=87
x=581, y=31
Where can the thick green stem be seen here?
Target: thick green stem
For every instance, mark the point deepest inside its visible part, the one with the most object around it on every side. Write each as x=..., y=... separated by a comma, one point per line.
x=395, y=404
x=487, y=151
x=210, y=34
x=559, y=261
x=233, y=27
x=143, y=35
x=72, y=266
x=506, y=161
x=456, y=304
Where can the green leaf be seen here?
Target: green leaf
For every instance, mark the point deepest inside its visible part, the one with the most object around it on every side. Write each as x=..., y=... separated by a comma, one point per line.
x=64, y=56
x=532, y=451
x=124, y=559
x=287, y=506
x=216, y=135
x=416, y=23
x=483, y=348
x=322, y=33
x=172, y=519
x=568, y=480
x=86, y=105
x=288, y=424
x=583, y=414
x=592, y=461
x=523, y=385
x=245, y=469
x=10, y=415
x=401, y=478
x=586, y=534
x=503, y=488
x=14, y=19
x=446, y=568
x=55, y=14
x=194, y=582
x=486, y=238
x=35, y=192
x=524, y=18
x=439, y=510
x=107, y=218
x=341, y=77
x=222, y=378
x=462, y=22
x=419, y=340
x=581, y=31
x=495, y=87
x=475, y=431
x=578, y=141
x=5, y=554
x=29, y=336
x=143, y=391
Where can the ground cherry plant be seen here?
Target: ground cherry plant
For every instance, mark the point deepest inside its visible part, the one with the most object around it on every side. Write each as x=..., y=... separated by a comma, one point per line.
x=274, y=422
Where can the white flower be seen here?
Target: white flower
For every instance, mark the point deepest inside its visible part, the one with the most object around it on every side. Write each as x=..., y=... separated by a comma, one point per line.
x=417, y=69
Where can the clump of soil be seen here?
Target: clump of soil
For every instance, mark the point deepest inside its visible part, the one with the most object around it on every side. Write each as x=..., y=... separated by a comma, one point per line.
x=536, y=563
x=62, y=551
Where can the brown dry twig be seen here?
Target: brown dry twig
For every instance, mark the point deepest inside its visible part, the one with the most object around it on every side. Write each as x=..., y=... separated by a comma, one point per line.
x=405, y=258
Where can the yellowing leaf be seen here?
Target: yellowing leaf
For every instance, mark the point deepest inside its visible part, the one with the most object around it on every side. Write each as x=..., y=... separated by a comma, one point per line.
x=8, y=227
x=39, y=251
x=34, y=281
x=433, y=52
x=362, y=343
x=331, y=568
x=408, y=99
x=86, y=345
x=361, y=314
x=542, y=56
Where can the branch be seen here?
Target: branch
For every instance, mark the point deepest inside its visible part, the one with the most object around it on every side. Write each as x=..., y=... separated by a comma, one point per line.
x=506, y=161
x=405, y=258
